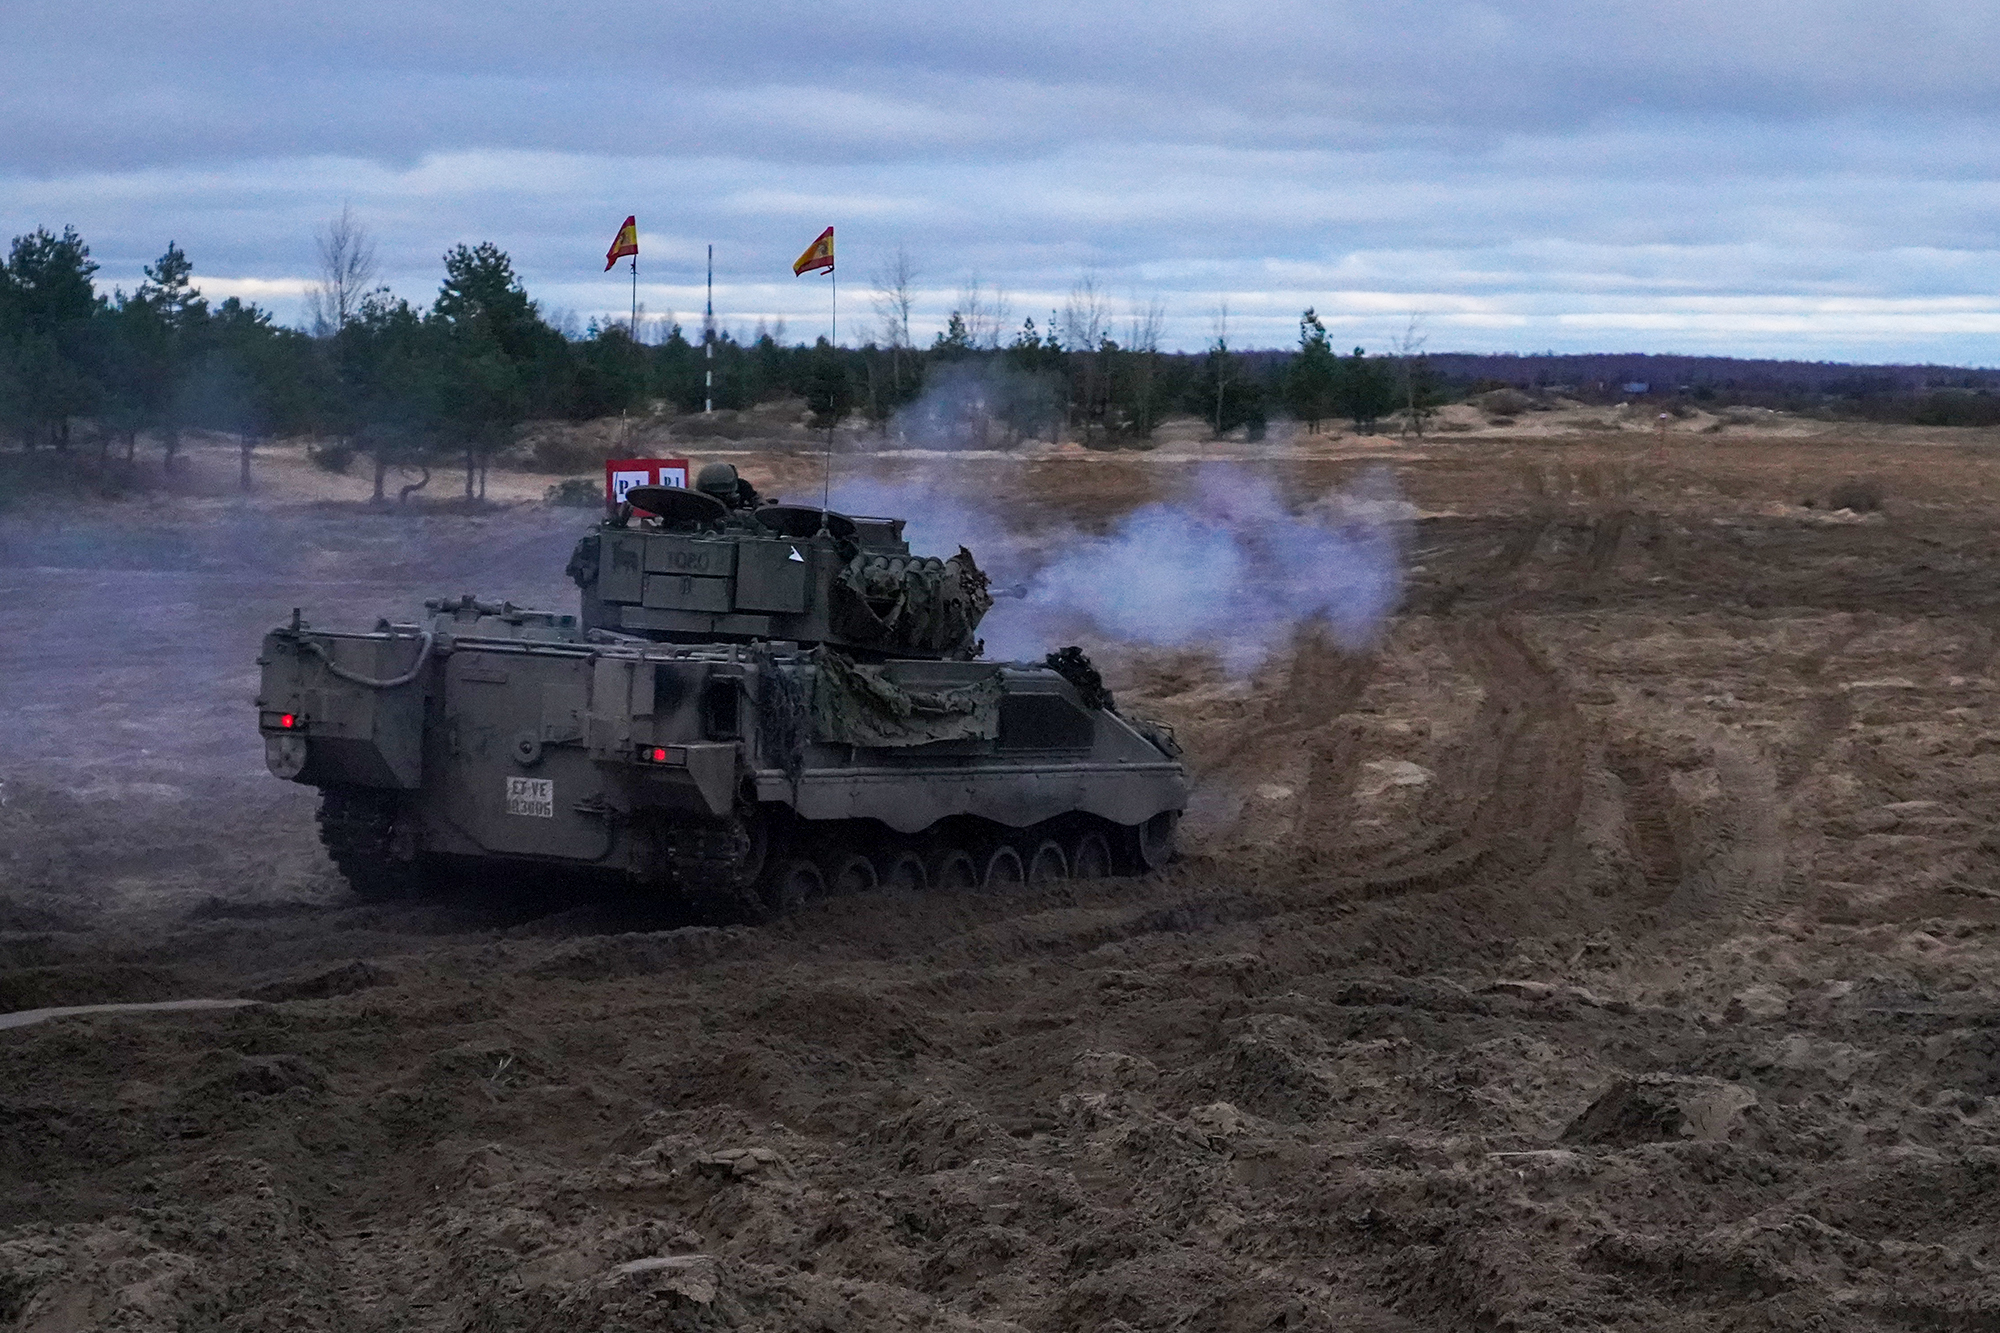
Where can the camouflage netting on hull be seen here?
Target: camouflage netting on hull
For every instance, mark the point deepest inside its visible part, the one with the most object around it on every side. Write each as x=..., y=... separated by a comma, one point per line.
x=858, y=705
x=915, y=604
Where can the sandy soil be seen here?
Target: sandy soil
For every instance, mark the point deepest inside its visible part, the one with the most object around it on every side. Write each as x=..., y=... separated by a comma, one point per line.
x=1612, y=947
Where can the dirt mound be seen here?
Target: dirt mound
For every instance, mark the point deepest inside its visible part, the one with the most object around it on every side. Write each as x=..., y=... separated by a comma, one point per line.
x=355, y=976
x=1656, y=1108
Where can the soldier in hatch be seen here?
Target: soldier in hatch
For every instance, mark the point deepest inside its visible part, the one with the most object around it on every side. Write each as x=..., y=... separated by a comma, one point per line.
x=720, y=480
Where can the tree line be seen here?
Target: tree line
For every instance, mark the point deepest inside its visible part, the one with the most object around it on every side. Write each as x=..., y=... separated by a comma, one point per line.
x=404, y=385
x=411, y=388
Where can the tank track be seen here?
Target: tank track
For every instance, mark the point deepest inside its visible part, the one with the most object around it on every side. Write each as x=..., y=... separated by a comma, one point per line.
x=746, y=867
x=994, y=856
x=358, y=828
x=717, y=864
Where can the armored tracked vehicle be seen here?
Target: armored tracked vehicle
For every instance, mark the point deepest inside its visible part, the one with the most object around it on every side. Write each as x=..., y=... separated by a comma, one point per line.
x=756, y=702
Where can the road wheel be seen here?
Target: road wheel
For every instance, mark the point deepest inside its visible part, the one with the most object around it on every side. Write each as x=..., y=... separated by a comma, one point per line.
x=1003, y=869
x=904, y=870
x=1092, y=857
x=953, y=871
x=1149, y=846
x=852, y=873
x=1048, y=865
x=796, y=882
x=753, y=847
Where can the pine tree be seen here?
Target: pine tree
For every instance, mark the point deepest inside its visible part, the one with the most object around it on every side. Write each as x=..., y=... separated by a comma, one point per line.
x=955, y=343
x=1365, y=390
x=829, y=391
x=171, y=322
x=169, y=289
x=46, y=306
x=1311, y=379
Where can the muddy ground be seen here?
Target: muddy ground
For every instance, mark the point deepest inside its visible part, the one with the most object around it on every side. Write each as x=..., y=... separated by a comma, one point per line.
x=1612, y=947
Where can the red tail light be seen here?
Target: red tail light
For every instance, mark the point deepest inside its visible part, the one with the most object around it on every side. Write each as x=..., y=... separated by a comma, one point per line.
x=288, y=720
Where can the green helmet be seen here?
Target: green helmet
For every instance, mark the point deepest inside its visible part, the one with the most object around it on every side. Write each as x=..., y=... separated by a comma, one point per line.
x=718, y=480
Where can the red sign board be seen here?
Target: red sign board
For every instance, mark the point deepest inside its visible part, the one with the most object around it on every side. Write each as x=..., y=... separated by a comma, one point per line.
x=622, y=474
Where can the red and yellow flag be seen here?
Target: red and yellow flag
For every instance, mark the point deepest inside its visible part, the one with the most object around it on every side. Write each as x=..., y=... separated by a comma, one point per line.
x=627, y=243
x=818, y=255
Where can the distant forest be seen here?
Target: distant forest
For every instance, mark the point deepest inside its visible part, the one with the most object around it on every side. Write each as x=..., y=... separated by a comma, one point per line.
x=1936, y=395
x=449, y=383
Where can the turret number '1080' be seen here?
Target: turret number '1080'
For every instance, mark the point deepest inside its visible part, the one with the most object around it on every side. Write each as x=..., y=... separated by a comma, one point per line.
x=689, y=562
x=531, y=796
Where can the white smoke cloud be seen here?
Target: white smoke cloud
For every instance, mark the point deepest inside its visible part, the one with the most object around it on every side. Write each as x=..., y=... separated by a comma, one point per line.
x=977, y=405
x=1232, y=568
x=1228, y=567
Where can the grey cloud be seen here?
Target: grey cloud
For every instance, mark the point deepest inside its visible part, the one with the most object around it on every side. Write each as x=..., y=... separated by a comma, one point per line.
x=222, y=80
x=1505, y=166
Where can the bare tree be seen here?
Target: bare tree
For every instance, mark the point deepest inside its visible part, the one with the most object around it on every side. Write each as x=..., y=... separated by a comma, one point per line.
x=895, y=295
x=656, y=329
x=1001, y=318
x=1417, y=388
x=1086, y=316
x=986, y=316
x=347, y=268
x=1145, y=326
x=1086, y=335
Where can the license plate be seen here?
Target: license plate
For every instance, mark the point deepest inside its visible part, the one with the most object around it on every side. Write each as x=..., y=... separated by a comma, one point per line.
x=531, y=796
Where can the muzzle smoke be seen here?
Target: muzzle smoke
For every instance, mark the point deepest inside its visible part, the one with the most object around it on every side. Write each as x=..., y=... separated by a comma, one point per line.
x=1230, y=567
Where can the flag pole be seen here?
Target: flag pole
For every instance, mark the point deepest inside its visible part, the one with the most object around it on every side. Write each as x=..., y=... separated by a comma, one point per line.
x=635, y=298
x=826, y=479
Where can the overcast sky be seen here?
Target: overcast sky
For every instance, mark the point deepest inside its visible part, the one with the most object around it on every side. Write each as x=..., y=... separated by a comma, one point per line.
x=1749, y=177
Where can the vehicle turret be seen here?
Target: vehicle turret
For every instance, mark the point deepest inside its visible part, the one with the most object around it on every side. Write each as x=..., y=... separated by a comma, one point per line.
x=715, y=563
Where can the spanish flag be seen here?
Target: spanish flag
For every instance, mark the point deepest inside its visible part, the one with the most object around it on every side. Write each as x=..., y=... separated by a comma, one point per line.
x=626, y=244
x=818, y=255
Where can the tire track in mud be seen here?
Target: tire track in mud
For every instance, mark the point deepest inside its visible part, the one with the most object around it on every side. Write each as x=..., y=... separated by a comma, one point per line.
x=1308, y=710
x=1485, y=577
x=1530, y=774
x=1510, y=798
x=1647, y=795
x=1827, y=713
x=1606, y=541
x=1322, y=684
x=1324, y=687
x=1735, y=844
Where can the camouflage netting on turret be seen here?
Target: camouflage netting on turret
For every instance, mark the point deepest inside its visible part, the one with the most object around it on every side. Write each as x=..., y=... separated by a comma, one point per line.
x=917, y=604
x=858, y=705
